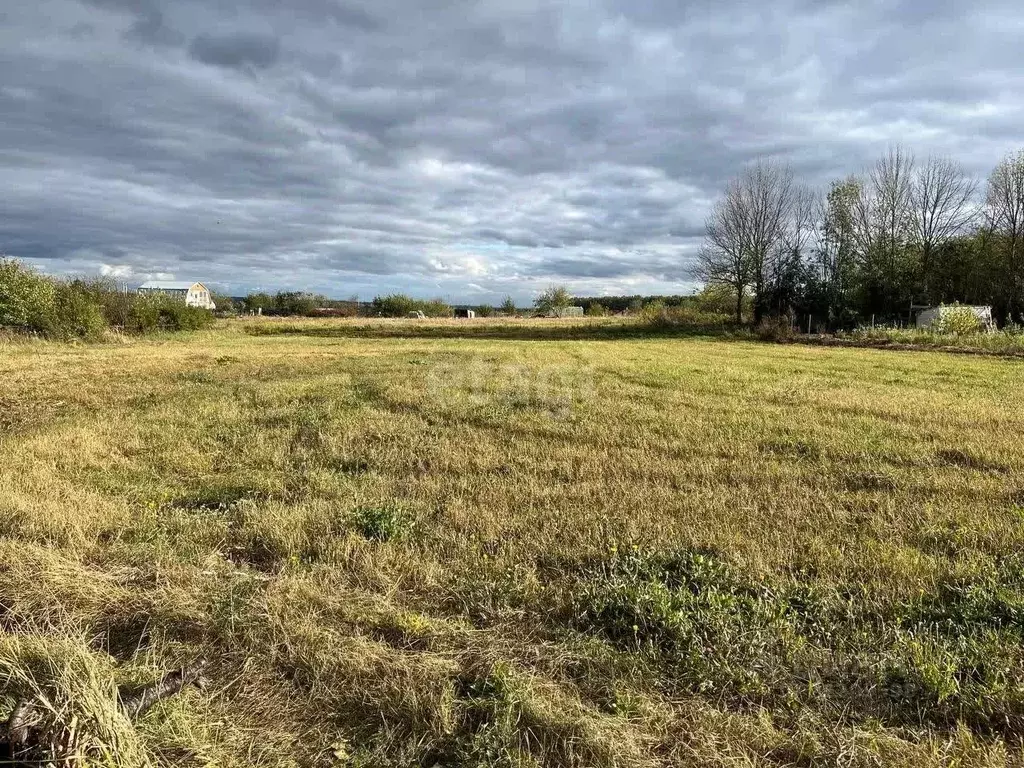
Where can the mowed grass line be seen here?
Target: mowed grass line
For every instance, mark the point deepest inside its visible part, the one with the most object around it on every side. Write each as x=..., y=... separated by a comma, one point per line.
x=524, y=551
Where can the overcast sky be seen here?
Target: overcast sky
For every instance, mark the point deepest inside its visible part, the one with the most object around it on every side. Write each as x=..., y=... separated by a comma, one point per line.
x=460, y=149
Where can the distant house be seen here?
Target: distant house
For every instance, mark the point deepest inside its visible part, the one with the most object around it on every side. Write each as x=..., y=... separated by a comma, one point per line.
x=193, y=294
x=464, y=313
x=929, y=317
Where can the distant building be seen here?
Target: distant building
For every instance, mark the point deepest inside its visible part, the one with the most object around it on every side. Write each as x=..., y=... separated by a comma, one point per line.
x=928, y=317
x=462, y=312
x=193, y=294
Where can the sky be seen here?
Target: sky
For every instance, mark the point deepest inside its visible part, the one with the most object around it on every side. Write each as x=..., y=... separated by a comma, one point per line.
x=456, y=149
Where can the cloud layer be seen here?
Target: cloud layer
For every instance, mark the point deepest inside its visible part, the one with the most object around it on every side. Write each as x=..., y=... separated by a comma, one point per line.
x=461, y=149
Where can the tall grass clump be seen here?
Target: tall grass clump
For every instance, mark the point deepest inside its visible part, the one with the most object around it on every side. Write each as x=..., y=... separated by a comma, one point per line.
x=777, y=328
x=659, y=315
x=1006, y=341
x=70, y=700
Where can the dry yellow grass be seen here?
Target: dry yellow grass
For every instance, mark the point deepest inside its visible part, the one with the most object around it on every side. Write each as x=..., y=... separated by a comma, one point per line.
x=524, y=543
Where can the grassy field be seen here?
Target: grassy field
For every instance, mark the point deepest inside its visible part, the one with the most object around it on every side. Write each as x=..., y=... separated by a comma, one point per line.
x=535, y=544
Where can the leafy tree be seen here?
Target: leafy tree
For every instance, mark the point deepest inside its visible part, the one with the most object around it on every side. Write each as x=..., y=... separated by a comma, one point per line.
x=393, y=305
x=224, y=303
x=715, y=299
x=484, y=310
x=832, y=271
x=257, y=302
x=55, y=309
x=26, y=297
x=508, y=306
x=75, y=314
x=296, y=303
x=553, y=300
x=436, y=308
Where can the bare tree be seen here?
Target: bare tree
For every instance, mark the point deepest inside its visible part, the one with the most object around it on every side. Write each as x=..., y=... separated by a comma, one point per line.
x=943, y=206
x=802, y=222
x=790, y=255
x=1005, y=212
x=722, y=259
x=883, y=223
x=863, y=225
x=745, y=231
x=892, y=184
x=768, y=192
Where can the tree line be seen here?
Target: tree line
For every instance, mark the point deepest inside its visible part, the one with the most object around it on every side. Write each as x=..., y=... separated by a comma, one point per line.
x=289, y=303
x=302, y=304
x=904, y=235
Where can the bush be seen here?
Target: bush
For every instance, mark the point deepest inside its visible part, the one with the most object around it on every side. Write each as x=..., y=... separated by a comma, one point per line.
x=552, y=300
x=84, y=309
x=26, y=298
x=656, y=314
x=143, y=314
x=720, y=299
x=54, y=309
x=400, y=305
x=436, y=308
x=150, y=313
x=777, y=328
x=225, y=304
x=75, y=314
x=114, y=303
x=957, y=321
x=258, y=302
x=1001, y=342
x=393, y=305
x=176, y=316
x=596, y=309
x=338, y=308
x=296, y=303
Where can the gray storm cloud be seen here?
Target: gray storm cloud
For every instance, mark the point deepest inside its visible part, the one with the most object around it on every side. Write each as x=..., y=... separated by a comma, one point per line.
x=467, y=149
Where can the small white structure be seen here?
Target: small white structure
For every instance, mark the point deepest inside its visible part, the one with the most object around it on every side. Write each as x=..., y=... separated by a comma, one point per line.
x=929, y=317
x=193, y=294
x=417, y=314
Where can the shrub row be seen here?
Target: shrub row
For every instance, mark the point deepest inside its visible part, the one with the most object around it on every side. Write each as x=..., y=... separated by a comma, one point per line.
x=400, y=305
x=85, y=309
